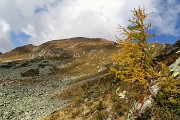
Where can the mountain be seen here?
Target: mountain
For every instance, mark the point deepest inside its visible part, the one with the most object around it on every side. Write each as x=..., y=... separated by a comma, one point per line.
x=37, y=73
x=71, y=74
x=18, y=53
x=75, y=56
x=57, y=49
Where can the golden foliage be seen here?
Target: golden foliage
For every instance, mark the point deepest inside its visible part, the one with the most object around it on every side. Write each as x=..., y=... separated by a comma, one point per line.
x=133, y=60
x=167, y=106
x=134, y=63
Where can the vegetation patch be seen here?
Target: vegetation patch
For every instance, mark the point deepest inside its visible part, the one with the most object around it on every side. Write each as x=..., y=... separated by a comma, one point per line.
x=30, y=73
x=9, y=65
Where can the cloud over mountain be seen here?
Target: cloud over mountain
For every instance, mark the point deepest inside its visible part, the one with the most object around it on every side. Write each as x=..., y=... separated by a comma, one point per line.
x=45, y=20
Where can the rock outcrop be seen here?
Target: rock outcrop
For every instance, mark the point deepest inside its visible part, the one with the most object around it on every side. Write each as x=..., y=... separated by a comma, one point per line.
x=170, y=53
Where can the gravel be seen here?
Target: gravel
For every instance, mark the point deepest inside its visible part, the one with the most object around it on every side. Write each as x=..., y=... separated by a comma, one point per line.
x=28, y=102
x=21, y=99
x=32, y=97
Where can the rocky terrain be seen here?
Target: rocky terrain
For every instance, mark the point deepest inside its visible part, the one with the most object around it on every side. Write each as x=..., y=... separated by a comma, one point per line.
x=30, y=76
x=36, y=81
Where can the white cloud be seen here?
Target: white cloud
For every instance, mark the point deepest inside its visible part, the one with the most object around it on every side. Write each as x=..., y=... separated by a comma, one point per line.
x=4, y=36
x=166, y=18
x=45, y=20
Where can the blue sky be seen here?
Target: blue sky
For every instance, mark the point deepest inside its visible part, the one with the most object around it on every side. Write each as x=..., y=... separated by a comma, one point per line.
x=37, y=21
x=18, y=39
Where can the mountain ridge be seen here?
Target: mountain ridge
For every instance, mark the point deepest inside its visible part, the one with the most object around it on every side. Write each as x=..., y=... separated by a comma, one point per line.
x=30, y=51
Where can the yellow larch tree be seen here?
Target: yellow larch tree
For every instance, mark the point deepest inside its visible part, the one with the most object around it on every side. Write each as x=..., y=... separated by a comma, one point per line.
x=134, y=63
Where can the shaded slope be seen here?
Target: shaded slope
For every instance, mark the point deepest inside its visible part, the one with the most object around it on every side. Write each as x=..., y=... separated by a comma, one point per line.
x=169, y=54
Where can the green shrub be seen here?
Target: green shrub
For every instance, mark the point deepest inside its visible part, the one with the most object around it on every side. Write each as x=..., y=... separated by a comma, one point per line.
x=100, y=106
x=167, y=106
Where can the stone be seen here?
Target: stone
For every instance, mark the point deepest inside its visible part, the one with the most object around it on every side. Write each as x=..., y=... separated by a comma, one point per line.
x=122, y=95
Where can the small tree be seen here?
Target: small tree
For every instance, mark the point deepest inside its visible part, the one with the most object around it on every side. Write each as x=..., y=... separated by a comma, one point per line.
x=134, y=63
x=133, y=60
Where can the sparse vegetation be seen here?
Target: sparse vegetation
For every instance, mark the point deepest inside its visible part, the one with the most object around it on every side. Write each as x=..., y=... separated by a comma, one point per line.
x=102, y=115
x=119, y=106
x=31, y=72
x=9, y=65
x=100, y=105
x=75, y=114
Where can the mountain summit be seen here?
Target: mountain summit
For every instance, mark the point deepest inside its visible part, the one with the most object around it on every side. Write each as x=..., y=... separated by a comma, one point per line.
x=60, y=49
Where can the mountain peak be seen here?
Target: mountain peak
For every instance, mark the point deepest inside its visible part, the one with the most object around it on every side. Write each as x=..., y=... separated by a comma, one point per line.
x=60, y=49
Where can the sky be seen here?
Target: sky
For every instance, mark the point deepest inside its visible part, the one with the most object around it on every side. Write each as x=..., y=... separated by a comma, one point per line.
x=37, y=21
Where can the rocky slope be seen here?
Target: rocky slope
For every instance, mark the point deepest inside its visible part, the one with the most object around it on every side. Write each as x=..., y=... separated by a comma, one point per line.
x=170, y=54
x=30, y=76
x=38, y=80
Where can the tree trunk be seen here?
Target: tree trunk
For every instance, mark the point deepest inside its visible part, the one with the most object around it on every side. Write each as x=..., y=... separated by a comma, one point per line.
x=151, y=91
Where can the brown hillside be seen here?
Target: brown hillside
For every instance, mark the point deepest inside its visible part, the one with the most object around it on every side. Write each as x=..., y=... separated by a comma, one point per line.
x=71, y=72
x=18, y=53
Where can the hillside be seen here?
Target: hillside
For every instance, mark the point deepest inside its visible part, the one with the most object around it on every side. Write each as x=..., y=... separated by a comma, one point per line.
x=72, y=57
x=36, y=73
x=100, y=99
x=37, y=81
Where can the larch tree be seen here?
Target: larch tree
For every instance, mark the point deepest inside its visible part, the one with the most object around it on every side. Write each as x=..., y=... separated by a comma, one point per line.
x=133, y=61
